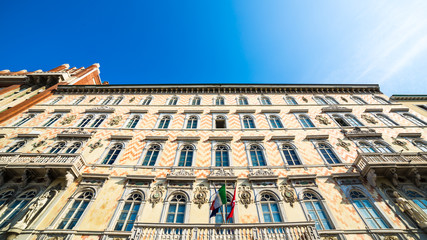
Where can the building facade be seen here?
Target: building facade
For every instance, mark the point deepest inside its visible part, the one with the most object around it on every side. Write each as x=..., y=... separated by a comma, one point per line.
x=143, y=162
x=418, y=103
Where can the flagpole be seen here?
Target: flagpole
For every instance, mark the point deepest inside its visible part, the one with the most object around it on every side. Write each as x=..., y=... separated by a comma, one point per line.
x=224, y=212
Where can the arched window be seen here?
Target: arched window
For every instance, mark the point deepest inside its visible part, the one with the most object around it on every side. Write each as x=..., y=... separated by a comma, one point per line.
x=56, y=100
x=196, y=101
x=248, y=122
x=340, y=120
x=222, y=156
x=24, y=120
x=76, y=210
x=186, y=156
x=220, y=122
x=118, y=100
x=107, y=100
x=359, y=100
x=113, y=154
x=331, y=100
x=275, y=121
x=421, y=145
x=16, y=206
x=290, y=155
x=383, y=147
x=220, y=101
x=367, y=210
x=73, y=148
x=386, y=120
x=320, y=100
x=151, y=155
x=218, y=217
x=57, y=148
x=243, y=101
x=85, y=121
x=366, y=147
x=270, y=208
x=353, y=120
x=52, y=120
x=147, y=101
x=173, y=101
x=257, y=156
x=418, y=199
x=5, y=196
x=164, y=122
x=316, y=210
x=133, y=121
x=414, y=119
x=15, y=147
x=98, y=121
x=381, y=100
x=78, y=100
x=129, y=213
x=265, y=101
x=291, y=101
x=328, y=154
x=192, y=122
x=176, y=211
x=305, y=121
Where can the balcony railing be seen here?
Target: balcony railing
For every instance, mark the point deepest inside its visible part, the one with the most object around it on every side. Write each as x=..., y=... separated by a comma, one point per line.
x=279, y=231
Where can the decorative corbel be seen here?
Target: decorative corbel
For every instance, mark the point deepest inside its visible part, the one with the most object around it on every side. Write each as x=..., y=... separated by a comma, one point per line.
x=372, y=178
x=394, y=178
x=245, y=195
x=69, y=179
x=416, y=177
x=200, y=195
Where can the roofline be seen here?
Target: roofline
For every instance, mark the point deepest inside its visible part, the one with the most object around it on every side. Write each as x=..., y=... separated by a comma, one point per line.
x=408, y=97
x=235, y=85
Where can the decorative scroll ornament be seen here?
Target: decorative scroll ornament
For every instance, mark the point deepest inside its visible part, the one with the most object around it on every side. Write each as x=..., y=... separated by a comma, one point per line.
x=323, y=120
x=77, y=132
x=399, y=143
x=132, y=99
x=200, y=195
x=287, y=194
x=305, y=99
x=410, y=209
x=222, y=173
x=68, y=120
x=156, y=194
x=262, y=172
x=38, y=144
x=92, y=99
x=343, y=144
x=181, y=173
x=369, y=119
x=344, y=99
x=96, y=145
x=245, y=195
x=115, y=120
x=391, y=238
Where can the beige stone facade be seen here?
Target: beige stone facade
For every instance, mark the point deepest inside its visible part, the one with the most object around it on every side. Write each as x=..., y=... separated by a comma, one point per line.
x=144, y=161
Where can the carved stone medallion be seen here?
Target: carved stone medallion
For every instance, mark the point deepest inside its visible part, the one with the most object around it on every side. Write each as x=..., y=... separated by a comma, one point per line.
x=323, y=120
x=245, y=195
x=92, y=99
x=369, y=119
x=344, y=99
x=96, y=145
x=200, y=195
x=156, y=194
x=115, y=120
x=68, y=120
x=343, y=144
x=287, y=194
x=38, y=144
x=305, y=99
x=399, y=143
x=132, y=99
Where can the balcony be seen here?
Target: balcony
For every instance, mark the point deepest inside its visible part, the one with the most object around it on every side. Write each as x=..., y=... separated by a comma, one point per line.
x=291, y=231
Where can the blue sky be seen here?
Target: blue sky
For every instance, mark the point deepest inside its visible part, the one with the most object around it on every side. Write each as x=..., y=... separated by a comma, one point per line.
x=223, y=41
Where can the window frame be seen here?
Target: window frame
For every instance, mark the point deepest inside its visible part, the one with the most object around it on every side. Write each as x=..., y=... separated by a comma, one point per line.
x=359, y=100
x=160, y=118
x=388, y=119
x=243, y=99
x=217, y=101
x=172, y=101
x=214, y=118
x=316, y=146
x=280, y=145
x=51, y=118
x=78, y=100
x=147, y=147
x=107, y=150
x=167, y=203
x=29, y=116
x=279, y=118
x=265, y=101
x=323, y=204
x=214, y=148
x=13, y=144
x=195, y=99
x=381, y=100
x=248, y=146
x=242, y=121
x=413, y=119
x=129, y=119
x=187, y=118
x=181, y=147
x=15, y=211
x=289, y=100
x=144, y=101
x=124, y=199
x=298, y=117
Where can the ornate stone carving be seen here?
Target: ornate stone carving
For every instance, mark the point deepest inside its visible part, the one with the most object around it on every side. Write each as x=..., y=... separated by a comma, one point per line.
x=96, y=145
x=35, y=208
x=394, y=178
x=156, y=194
x=200, y=195
x=115, y=120
x=322, y=119
x=343, y=144
x=181, y=173
x=410, y=209
x=69, y=178
x=391, y=238
x=372, y=178
x=329, y=238
x=416, y=177
x=38, y=144
x=25, y=179
x=47, y=178
x=132, y=99
x=68, y=120
x=344, y=99
x=101, y=109
x=77, y=132
x=92, y=99
x=358, y=130
x=399, y=143
x=287, y=194
x=222, y=173
x=262, y=172
x=369, y=119
x=305, y=99
x=245, y=195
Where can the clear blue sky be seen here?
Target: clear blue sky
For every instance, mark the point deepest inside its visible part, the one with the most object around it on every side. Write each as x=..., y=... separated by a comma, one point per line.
x=223, y=41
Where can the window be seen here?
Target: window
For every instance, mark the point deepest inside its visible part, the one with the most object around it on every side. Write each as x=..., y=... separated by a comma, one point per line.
x=248, y=122
x=270, y=208
x=340, y=120
x=76, y=210
x=414, y=119
x=151, y=155
x=353, y=120
x=257, y=156
x=52, y=120
x=359, y=100
x=133, y=121
x=381, y=100
x=421, y=145
x=15, y=207
x=243, y=101
x=291, y=101
x=418, y=199
x=192, y=122
x=164, y=122
x=5, y=196
x=328, y=154
x=173, y=101
x=129, y=213
x=290, y=155
x=98, y=121
x=56, y=100
x=176, y=211
x=78, y=100
x=107, y=100
x=220, y=101
x=316, y=211
x=320, y=100
x=305, y=121
x=275, y=121
x=196, y=101
x=386, y=120
x=220, y=122
x=218, y=217
x=113, y=154
x=331, y=100
x=367, y=211
x=85, y=121
x=265, y=101
x=383, y=147
x=424, y=107
x=222, y=158
x=23, y=120
x=118, y=100
x=15, y=147
x=186, y=156
x=147, y=101
x=366, y=147
x=73, y=148
x=57, y=148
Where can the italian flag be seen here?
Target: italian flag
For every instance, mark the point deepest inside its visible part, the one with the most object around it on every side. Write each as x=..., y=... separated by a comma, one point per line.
x=220, y=199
